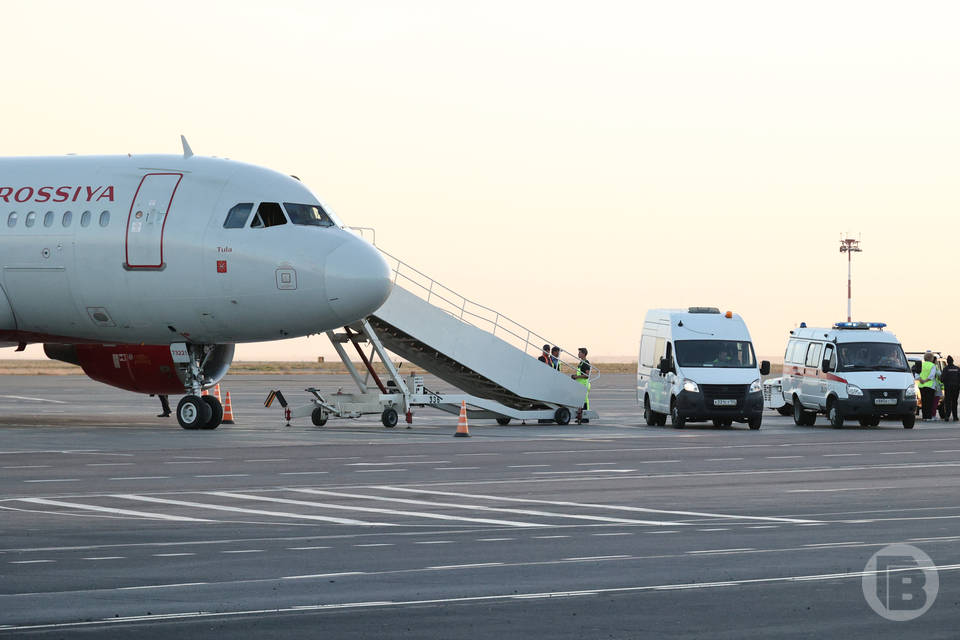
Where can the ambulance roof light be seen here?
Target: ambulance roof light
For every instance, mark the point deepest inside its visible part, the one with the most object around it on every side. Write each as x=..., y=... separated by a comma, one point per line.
x=859, y=325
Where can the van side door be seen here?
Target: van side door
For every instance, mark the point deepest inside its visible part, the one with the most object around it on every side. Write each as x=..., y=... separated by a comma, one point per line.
x=810, y=386
x=659, y=386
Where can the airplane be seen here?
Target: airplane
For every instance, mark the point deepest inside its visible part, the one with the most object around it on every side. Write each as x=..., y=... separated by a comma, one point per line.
x=146, y=270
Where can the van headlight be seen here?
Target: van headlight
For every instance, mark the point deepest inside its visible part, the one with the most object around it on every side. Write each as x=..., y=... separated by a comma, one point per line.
x=854, y=390
x=910, y=392
x=755, y=386
x=691, y=386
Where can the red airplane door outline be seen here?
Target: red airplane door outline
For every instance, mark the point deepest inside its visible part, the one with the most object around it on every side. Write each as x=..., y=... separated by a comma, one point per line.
x=148, y=219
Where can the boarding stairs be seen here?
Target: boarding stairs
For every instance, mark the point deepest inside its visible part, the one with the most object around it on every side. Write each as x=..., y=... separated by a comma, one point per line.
x=490, y=359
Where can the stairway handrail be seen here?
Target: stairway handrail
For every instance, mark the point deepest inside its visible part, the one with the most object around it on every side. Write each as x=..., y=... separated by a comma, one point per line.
x=526, y=337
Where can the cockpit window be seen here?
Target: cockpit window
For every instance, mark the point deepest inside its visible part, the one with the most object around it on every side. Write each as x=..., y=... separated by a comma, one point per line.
x=269, y=214
x=237, y=218
x=308, y=214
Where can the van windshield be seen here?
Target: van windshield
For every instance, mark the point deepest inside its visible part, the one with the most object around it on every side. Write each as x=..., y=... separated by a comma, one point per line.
x=871, y=356
x=721, y=354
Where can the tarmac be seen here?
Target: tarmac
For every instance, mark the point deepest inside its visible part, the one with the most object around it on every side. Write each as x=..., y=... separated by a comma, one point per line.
x=116, y=523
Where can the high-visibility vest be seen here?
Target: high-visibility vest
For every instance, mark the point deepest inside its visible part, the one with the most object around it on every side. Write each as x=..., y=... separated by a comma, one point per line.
x=927, y=377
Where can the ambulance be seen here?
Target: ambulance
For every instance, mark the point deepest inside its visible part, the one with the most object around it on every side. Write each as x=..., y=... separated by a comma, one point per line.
x=698, y=365
x=852, y=370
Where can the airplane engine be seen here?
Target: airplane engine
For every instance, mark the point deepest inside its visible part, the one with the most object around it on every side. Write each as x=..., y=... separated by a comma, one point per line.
x=141, y=368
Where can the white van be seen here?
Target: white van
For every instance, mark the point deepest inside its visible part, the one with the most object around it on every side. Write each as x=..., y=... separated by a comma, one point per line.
x=851, y=370
x=698, y=365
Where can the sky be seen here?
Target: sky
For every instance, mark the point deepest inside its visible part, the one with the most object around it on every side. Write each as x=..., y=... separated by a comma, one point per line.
x=569, y=165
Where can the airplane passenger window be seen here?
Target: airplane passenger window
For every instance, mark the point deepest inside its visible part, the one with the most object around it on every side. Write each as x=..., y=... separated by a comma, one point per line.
x=237, y=217
x=12, y=219
x=31, y=219
x=48, y=218
x=269, y=214
x=67, y=218
x=308, y=214
x=104, y=218
x=85, y=219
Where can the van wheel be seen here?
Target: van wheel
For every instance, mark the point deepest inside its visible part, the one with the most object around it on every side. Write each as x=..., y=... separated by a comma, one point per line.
x=801, y=417
x=648, y=415
x=909, y=420
x=833, y=414
x=786, y=410
x=676, y=419
x=754, y=423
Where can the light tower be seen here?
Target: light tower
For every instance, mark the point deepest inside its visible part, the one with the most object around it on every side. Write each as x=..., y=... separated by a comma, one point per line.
x=849, y=246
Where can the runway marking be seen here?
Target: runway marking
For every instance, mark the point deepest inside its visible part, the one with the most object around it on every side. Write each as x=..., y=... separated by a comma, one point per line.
x=29, y=561
x=720, y=459
x=723, y=550
x=268, y=460
x=143, y=478
x=715, y=529
x=525, y=512
x=596, y=506
x=34, y=399
x=124, y=512
x=161, y=586
x=584, y=471
x=465, y=599
x=594, y=558
x=29, y=466
x=898, y=453
x=219, y=507
x=468, y=454
x=376, y=544
x=110, y=464
x=245, y=551
x=393, y=464
x=466, y=566
x=434, y=542
x=840, y=455
x=416, y=455
x=172, y=555
x=595, y=464
x=836, y=490
x=326, y=505
x=527, y=466
x=454, y=468
x=548, y=537
x=947, y=451
x=622, y=533
x=325, y=575
x=660, y=532
x=186, y=462
x=107, y=558
x=656, y=461
x=833, y=544
x=493, y=539
x=377, y=470
x=783, y=457
x=302, y=473
x=56, y=480
x=764, y=526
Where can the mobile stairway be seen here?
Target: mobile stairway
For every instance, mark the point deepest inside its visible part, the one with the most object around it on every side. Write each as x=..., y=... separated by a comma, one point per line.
x=490, y=360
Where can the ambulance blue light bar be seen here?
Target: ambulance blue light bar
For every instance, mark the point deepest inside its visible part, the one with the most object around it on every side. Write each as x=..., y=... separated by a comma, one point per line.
x=859, y=325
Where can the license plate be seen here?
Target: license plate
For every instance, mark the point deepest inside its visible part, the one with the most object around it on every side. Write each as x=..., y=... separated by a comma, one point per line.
x=724, y=403
x=885, y=401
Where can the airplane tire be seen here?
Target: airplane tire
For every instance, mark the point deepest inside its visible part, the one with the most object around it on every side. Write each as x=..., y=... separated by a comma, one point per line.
x=389, y=418
x=192, y=412
x=562, y=416
x=216, y=412
x=318, y=417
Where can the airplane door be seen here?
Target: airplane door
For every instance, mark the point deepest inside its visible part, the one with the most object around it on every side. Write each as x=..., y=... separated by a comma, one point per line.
x=147, y=219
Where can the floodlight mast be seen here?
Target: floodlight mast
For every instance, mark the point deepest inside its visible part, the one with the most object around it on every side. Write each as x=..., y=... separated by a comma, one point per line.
x=849, y=246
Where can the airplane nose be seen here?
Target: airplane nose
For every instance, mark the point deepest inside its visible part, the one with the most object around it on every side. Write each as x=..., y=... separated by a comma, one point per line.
x=358, y=280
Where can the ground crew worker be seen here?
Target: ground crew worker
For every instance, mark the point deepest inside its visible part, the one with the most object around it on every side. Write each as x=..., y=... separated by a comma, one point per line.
x=928, y=375
x=164, y=406
x=950, y=377
x=583, y=377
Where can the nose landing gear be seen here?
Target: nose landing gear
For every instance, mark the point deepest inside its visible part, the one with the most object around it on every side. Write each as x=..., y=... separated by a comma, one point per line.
x=195, y=411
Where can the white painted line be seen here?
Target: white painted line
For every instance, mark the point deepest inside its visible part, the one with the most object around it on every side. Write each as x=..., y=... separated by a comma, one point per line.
x=525, y=512
x=898, y=453
x=656, y=461
x=417, y=455
x=143, y=478
x=395, y=512
x=220, y=507
x=159, y=586
x=376, y=544
x=306, y=548
x=187, y=462
x=123, y=512
x=107, y=558
x=720, y=459
x=783, y=457
x=836, y=490
x=393, y=464
x=454, y=468
x=225, y=475
x=29, y=561
x=56, y=480
x=661, y=532
x=29, y=466
x=947, y=451
x=764, y=526
x=723, y=550
x=548, y=537
x=467, y=454
x=493, y=539
x=622, y=533
x=527, y=466
x=584, y=471
x=378, y=470
x=840, y=455
x=244, y=551
x=268, y=460
x=466, y=566
x=595, y=506
x=595, y=558
x=172, y=555
x=435, y=542
x=303, y=473
x=715, y=529
x=324, y=575
x=595, y=464
x=468, y=599
x=34, y=399
x=110, y=464
x=834, y=544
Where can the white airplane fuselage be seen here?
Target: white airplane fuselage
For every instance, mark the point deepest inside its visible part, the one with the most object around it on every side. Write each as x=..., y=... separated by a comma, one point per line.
x=134, y=250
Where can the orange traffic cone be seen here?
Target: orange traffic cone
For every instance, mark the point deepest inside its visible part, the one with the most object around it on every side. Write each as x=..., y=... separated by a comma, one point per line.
x=204, y=393
x=227, y=411
x=216, y=393
x=463, y=431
